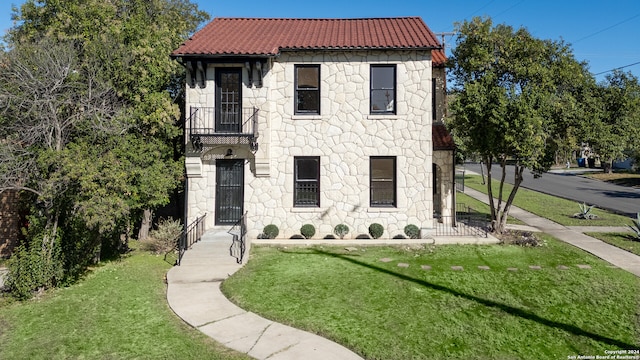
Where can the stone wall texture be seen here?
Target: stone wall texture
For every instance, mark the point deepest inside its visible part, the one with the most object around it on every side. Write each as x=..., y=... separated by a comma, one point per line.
x=344, y=136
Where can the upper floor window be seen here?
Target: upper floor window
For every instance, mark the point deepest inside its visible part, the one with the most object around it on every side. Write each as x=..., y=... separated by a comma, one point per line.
x=307, y=84
x=306, y=181
x=383, y=89
x=383, y=181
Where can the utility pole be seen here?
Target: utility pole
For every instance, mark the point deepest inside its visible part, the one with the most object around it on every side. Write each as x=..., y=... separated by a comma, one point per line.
x=443, y=36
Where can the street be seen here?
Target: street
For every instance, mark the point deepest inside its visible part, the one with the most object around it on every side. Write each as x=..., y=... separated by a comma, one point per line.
x=570, y=185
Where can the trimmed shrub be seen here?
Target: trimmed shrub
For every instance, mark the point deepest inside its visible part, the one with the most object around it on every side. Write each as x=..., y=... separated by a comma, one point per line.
x=363, y=236
x=376, y=230
x=308, y=230
x=341, y=230
x=271, y=231
x=412, y=231
x=164, y=238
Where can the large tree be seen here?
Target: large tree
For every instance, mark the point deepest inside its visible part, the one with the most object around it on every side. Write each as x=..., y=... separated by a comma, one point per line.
x=510, y=92
x=614, y=127
x=132, y=40
x=91, y=119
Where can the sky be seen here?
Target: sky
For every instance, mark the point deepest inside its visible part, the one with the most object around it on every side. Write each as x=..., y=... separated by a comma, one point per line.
x=605, y=34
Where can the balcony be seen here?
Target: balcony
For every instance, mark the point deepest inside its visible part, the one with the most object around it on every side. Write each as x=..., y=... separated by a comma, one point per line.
x=223, y=126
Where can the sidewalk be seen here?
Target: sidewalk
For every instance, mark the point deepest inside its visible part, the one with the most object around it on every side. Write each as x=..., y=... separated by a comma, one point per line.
x=574, y=235
x=193, y=292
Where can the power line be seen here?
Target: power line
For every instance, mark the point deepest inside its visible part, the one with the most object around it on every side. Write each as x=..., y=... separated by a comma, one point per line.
x=487, y=4
x=618, y=68
x=504, y=11
x=607, y=28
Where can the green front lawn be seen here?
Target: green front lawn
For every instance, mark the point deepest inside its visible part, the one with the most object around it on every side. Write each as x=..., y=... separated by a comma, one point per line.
x=118, y=312
x=550, y=207
x=625, y=241
x=479, y=206
x=385, y=311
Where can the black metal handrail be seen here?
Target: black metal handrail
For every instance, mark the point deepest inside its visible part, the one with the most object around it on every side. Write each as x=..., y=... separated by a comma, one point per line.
x=239, y=232
x=469, y=223
x=189, y=236
x=202, y=122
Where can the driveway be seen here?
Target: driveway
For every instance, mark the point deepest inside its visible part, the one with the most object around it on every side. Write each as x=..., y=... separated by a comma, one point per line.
x=571, y=185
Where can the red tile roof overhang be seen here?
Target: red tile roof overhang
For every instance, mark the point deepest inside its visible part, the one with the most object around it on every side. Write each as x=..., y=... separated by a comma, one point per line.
x=260, y=37
x=442, y=139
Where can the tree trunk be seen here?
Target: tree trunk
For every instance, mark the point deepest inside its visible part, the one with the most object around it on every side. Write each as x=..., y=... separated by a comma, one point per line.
x=519, y=169
x=145, y=226
x=494, y=224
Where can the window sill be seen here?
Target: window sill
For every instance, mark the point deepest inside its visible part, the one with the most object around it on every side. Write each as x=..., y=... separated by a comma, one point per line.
x=307, y=117
x=307, y=210
x=383, y=117
x=384, y=209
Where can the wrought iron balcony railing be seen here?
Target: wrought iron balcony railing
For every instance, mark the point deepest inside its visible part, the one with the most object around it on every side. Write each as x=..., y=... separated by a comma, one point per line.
x=226, y=125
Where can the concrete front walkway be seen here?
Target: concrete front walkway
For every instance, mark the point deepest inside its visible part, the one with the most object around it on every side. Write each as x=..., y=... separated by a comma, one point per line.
x=573, y=235
x=193, y=292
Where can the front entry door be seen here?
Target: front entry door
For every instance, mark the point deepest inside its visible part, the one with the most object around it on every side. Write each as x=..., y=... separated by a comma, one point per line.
x=228, y=100
x=229, y=191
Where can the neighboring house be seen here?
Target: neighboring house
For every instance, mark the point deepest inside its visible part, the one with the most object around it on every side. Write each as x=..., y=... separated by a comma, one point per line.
x=319, y=121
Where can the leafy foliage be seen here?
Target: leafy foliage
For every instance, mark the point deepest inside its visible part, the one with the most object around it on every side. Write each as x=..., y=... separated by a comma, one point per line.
x=164, y=238
x=308, y=230
x=511, y=92
x=36, y=265
x=271, y=231
x=412, y=231
x=376, y=230
x=614, y=125
x=341, y=230
x=89, y=102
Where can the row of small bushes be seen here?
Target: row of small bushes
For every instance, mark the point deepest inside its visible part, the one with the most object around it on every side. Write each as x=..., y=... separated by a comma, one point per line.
x=307, y=231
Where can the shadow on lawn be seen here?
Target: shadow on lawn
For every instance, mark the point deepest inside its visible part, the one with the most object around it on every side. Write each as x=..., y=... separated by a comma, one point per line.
x=489, y=303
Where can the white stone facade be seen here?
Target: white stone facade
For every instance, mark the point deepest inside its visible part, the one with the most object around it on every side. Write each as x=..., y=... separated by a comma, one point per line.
x=344, y=136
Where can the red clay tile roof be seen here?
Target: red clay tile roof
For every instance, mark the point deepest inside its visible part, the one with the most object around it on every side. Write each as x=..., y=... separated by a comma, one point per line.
x=441, y=138
x=258, y=36
x=438, y=57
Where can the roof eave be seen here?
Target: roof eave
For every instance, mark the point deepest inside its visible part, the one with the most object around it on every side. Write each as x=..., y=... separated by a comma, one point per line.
x=351, y=48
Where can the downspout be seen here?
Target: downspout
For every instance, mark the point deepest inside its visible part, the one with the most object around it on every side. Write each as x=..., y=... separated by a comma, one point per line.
x=454, y=190
x=186, y=202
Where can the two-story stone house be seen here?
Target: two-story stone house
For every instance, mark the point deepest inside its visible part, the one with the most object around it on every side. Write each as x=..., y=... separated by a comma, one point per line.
x=319, y=121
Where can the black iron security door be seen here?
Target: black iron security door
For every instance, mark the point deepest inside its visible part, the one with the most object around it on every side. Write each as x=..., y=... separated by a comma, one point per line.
x=229, y=191
x=228, y=100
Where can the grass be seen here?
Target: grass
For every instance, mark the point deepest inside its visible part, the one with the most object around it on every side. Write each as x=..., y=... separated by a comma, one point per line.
x=550, y=207
x=383, y=311
x=118, y=312
x=618, y=178
x=479, y=206
x=625, y=241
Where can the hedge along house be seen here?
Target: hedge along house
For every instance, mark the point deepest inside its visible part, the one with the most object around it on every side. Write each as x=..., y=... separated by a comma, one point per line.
x=318, y=121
